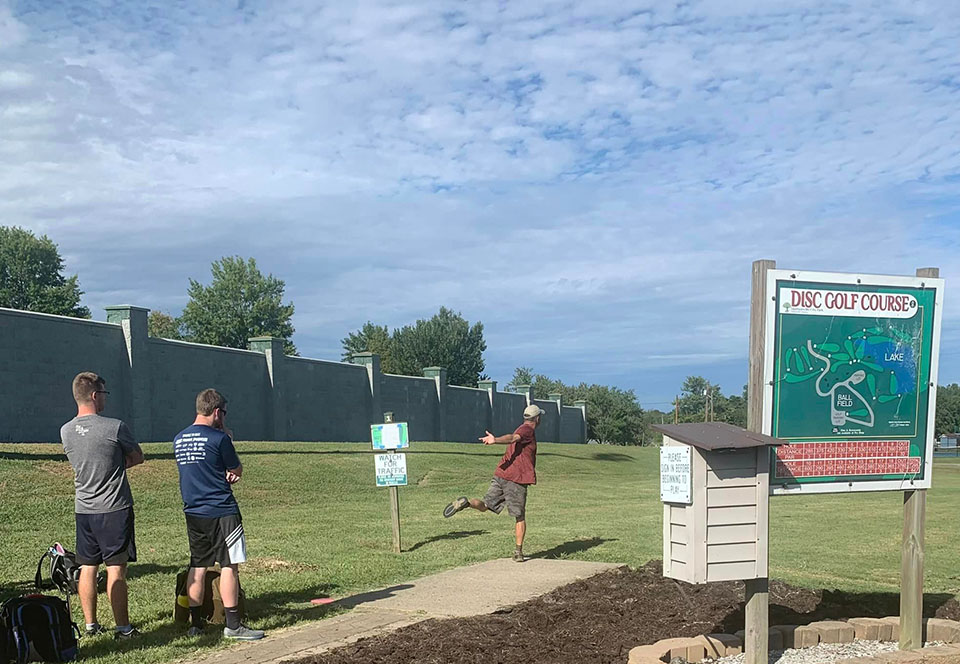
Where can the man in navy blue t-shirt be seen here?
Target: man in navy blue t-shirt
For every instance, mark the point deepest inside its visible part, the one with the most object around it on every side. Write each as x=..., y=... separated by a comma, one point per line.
x=208, y=465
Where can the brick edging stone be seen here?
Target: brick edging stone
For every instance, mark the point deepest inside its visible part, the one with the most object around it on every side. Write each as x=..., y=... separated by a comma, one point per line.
x=694, y=649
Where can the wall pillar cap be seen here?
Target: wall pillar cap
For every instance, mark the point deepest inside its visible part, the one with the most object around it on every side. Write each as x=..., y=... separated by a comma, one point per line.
x=119, y=312
x=125, y=307
x=365, y=358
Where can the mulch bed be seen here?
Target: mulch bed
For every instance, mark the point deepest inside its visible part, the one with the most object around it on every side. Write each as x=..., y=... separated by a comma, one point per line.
x=598, y=620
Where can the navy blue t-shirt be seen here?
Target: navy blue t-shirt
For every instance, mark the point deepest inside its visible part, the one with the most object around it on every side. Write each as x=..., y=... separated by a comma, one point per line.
x=203, y=456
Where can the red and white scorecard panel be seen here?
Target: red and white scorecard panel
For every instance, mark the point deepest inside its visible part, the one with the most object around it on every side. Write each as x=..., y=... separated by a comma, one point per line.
x=846, y=458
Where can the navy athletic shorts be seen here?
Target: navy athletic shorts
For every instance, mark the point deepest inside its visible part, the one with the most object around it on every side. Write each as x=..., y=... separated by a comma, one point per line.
x=106, y=538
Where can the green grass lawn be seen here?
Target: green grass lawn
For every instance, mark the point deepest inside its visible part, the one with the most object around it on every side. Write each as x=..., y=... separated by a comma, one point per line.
x=317, y=526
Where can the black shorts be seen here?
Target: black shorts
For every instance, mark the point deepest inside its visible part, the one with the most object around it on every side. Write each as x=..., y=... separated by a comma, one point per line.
x=106, y=538
x=216, y=539
x=504, y=492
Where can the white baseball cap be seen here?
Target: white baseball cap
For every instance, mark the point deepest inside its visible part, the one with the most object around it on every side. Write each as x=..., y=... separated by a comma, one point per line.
x=532, y=411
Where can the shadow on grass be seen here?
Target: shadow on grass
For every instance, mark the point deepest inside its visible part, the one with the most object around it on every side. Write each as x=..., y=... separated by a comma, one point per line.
x=163, y=636
x=20, y=456
x=140, y=570
x=842, y=605
x=168, y=456
x=285, y=607
x=571, y=547
x=612, y=456
x=458, y=534
x=267, y=611
x=16, y=588
x=372, y=596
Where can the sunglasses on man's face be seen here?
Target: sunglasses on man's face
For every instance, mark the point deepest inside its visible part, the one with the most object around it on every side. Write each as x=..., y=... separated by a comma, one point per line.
x=101, y=392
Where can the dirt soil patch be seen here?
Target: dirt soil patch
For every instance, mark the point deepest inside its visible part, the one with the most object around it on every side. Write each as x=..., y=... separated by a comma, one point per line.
x=598, y=620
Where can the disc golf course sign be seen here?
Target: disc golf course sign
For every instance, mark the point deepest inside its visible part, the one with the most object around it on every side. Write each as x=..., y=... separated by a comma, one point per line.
x=843, y=367
x=850, y=380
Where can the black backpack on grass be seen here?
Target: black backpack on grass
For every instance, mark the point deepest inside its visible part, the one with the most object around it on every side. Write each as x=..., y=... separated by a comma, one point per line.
x=64, y=570
x=38, y=628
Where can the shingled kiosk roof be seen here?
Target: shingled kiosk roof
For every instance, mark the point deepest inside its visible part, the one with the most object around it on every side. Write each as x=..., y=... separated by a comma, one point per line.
x=716, y=435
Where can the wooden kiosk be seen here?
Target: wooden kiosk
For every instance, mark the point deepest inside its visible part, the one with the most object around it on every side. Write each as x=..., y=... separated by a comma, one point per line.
x=715, y=490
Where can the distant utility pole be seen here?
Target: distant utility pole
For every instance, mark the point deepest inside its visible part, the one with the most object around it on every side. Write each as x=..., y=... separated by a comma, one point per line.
x=676, y=410
x=707, y=397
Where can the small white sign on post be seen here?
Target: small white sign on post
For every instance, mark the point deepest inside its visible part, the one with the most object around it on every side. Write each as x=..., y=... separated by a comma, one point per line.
x=390, y=436
x=676, y=478
x=391, y=469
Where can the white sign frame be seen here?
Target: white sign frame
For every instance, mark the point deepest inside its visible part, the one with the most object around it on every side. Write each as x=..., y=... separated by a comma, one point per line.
x=867, y=280
x=678, y=492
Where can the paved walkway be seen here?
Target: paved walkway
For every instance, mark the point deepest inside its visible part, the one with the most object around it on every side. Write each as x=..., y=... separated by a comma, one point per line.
x=465, y=591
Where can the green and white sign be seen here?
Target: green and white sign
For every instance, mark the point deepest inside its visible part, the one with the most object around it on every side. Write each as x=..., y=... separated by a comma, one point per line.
x=391, y=469
x=392, y=436
x=851, y=370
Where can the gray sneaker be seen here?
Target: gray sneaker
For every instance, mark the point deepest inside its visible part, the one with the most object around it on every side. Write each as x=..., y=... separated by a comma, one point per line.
x=243, y=633
x=133, y=633
x=194, y=631
x=459, y=504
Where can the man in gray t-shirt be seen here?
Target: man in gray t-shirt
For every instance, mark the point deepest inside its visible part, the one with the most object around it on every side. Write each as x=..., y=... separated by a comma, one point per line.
x=100, y=449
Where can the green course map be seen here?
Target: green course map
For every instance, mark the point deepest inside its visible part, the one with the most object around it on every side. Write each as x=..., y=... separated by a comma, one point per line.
x=852, y=365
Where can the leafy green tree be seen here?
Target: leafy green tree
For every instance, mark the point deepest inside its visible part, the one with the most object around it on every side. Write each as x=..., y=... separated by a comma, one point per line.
x=31, y=276
x=446, y=340
x=651, y=417
x=522, y=376
x=370, y=339
x=948, y=409
x=239, y=303
x=613, y=415
x=163, y=325
x=731, y=409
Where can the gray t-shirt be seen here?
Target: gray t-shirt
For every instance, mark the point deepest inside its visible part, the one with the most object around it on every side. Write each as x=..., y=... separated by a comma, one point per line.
x=96, y=447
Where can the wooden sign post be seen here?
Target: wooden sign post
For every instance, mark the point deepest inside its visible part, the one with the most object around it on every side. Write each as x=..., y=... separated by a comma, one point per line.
x=757, y=591
x=911, y=554
x=391, y=468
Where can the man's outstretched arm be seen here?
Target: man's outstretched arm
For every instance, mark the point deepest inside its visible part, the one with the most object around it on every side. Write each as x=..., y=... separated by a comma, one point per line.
x=506, y=439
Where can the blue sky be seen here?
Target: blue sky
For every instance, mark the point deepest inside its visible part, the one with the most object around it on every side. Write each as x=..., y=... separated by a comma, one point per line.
x=592, y=180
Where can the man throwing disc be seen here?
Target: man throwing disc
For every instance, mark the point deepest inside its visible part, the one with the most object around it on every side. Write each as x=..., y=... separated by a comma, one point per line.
x=515, y=472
